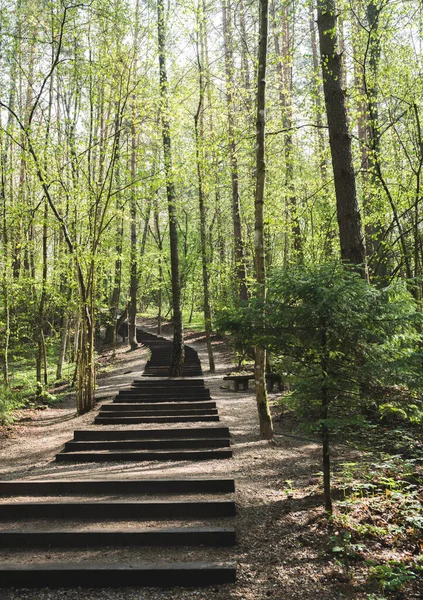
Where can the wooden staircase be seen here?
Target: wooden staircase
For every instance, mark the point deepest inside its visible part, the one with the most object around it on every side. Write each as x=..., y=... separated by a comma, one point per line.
x=121, y=514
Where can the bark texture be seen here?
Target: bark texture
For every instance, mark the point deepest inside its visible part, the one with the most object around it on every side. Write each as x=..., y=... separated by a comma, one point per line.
x=178, y=334
x=239, y=251
x=283, y=49
x=266, y=428
x=199, y=136
x=348, y=213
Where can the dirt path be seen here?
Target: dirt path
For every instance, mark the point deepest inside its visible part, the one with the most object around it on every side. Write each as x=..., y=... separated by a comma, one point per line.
x=282, y=532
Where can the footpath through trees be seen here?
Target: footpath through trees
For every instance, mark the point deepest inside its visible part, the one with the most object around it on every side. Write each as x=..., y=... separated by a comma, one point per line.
x=282, y=532
x=147, y=401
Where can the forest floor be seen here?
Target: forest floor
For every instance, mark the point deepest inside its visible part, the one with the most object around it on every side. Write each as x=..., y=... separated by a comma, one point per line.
x=287, y=547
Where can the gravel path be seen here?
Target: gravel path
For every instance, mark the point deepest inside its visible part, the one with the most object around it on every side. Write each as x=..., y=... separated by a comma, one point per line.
x=281, y=529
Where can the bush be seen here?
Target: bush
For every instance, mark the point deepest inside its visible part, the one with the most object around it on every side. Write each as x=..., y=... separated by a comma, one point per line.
x=341, y=336
x=9, y=400
x=337, y=332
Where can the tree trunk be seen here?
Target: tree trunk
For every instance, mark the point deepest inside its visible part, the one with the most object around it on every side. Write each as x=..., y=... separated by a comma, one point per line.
x=265, y=419
x=5, y=270
x=199, y=135
x=244, y=58
x=324, y=413
x=178, y=333
x=111, y=329
x=317, y=97
x=41, y=340
x=221, y=241
x=284, y=71
x=63, y=346
x=160, y=250
x=133, y=277
x=348, y=213
x=241, y=276
x=374, y=230
x=133, y=287
x=85, y=363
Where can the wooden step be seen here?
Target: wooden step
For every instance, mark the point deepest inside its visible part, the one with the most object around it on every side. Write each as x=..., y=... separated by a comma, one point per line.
x=152, y=434
x=163, y=370
x=142, y=455
x=172, y=383
x=136, y=420
x=172, y=509
x=76, y=446
x=162, y=362
x=160, y=374
x=79, y=487
x=116, y=575
x=170, y=536
x=177, y=392
x=159, y=405
x=152, y=399
x=140, y=411
x=162, y=358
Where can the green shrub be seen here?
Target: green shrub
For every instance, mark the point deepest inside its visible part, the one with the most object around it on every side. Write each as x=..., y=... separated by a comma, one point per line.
x=393, y=576
x=44, y=395
x=9, y=401
x=341, y=336
x=336, y=332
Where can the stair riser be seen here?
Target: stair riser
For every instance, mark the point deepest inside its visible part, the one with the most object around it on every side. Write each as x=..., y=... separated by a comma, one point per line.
x=88, y=539
x=139, y=420
x=146, y=445
x=114, y=577
x=144, y=456
x=118, y=510
x=158, y=413
x=169, y=383
x=163, y=363
x=151, y=399
x=145, y=389
x=177, y=393
x=163, y=371
x=157, y=406
x=122, y=486
x=148, y=434
x=160, y=374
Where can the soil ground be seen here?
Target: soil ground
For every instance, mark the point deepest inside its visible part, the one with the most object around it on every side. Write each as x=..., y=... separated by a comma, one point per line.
x=282, y=530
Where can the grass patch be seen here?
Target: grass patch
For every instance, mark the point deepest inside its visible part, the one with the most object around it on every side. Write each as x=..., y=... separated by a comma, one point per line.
x=24, y=391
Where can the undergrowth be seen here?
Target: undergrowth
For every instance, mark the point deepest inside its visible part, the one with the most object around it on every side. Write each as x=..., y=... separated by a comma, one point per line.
x=377, y=525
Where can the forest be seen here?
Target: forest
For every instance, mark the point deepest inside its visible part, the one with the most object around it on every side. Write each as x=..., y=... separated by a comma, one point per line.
x=252, y=170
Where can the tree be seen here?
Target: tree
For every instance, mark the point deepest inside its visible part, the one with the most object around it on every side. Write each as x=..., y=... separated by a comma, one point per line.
x=199, y=135
x=266, y=428
x=239, y=251
x=178, y=333
x=348, y=213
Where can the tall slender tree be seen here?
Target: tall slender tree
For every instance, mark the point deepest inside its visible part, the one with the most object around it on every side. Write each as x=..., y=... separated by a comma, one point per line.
x=239, y=250
x=199, y=142
x=178, y=331
x=265, y=419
